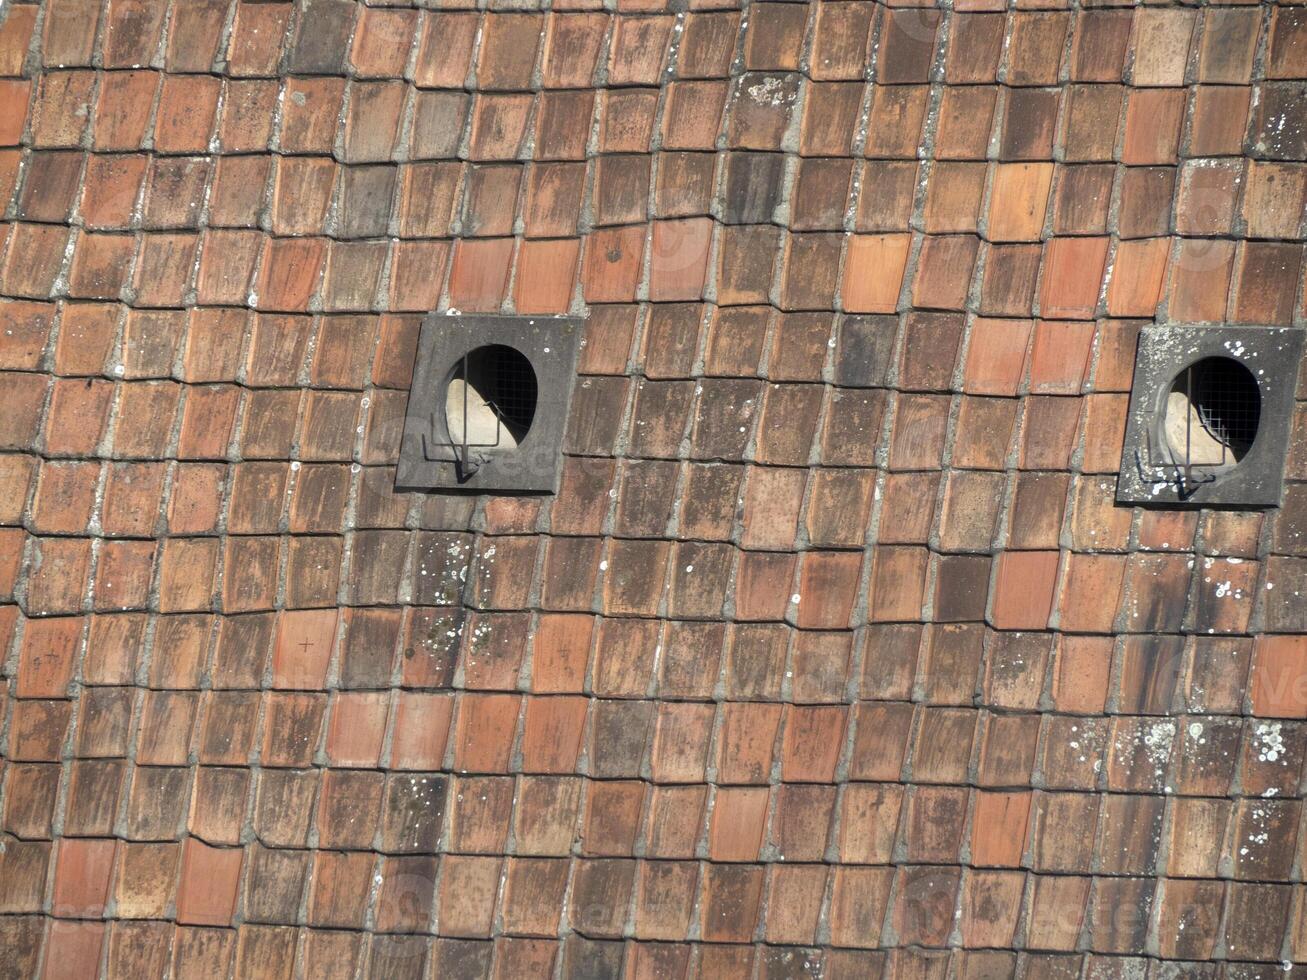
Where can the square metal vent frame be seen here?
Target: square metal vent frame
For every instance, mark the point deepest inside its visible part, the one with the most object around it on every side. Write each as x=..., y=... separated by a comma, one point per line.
x=1271, y=355
x=429, y=456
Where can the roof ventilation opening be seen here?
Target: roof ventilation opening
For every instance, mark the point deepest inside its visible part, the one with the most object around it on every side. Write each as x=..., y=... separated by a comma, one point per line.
x=1211, y=416
x=490, y=403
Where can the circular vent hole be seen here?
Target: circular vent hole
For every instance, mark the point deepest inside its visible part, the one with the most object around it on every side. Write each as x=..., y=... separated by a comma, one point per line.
x=1212, y=413
x=490, y=401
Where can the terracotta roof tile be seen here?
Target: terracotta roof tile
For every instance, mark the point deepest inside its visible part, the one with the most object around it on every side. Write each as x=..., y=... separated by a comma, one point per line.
x=1018, y=200
x=1008, y=286
x=1255, y=917
x=637, y=51
x=1287, y=31
x=830, y=114
x=730, y=896
x=1073, y=271
x=181, y=381
x=809, y=267
x=1276, y=100
x=1089, y=130
x=1038, y=505
x=984, y=432
x=1152, y=126
x=821, y=192
x=897, y=584
x=210, y=878
x=996, y=356
x=1138, y=271
x=840, y=507
x=897, y=116
x=618, y=737
x=601, y=893
x=794, y=895
x=975, y=48
x=965, y=123
x=802, y=821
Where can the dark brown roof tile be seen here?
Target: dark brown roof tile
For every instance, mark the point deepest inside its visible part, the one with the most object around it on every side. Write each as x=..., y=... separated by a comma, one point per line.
x=961, y=588
x=665, y=900
x=730, y=897
x=339, y=889
x=156, y=808
x=1008, y=287
x=755, y=655
x=283, y=805
x=795, y=896
x=93, y=797
x=1182, y=905
x=533, y=895
x=132, y=32
x=897, y=115
x=1228, y=42
x=1092, y=117
x=601, y=894
x=923, y=903
x=218, y=804
x=744, y=263
x=292, y=727
x=906, y=46
x=686, y=182
x=774, y=37
x=1038, y=505
x=194, y=33
x=349, y=809
x=1255, y=918
x=1035, y=45
x=935, y=819
x=975, y=47
x=621, y=192
x=1098, y=48
x=1231, y=533
x=1029, y=123
x=829, y=128
x=1265, y=277
x=984, y=432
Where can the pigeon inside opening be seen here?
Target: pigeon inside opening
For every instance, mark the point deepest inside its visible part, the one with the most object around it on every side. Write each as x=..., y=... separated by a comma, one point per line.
x=490, y=400
x=1212, y=413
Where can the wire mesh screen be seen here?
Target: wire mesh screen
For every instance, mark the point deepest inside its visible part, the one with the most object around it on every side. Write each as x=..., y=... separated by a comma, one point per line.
x=500, y=379
x=1226, y=400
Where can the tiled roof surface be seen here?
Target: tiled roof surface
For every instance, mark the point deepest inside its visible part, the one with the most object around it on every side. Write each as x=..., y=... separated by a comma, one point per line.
x=832, y=656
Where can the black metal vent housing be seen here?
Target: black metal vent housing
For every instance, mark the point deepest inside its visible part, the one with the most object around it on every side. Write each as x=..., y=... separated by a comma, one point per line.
x=1210, y=414
x=488, y=405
